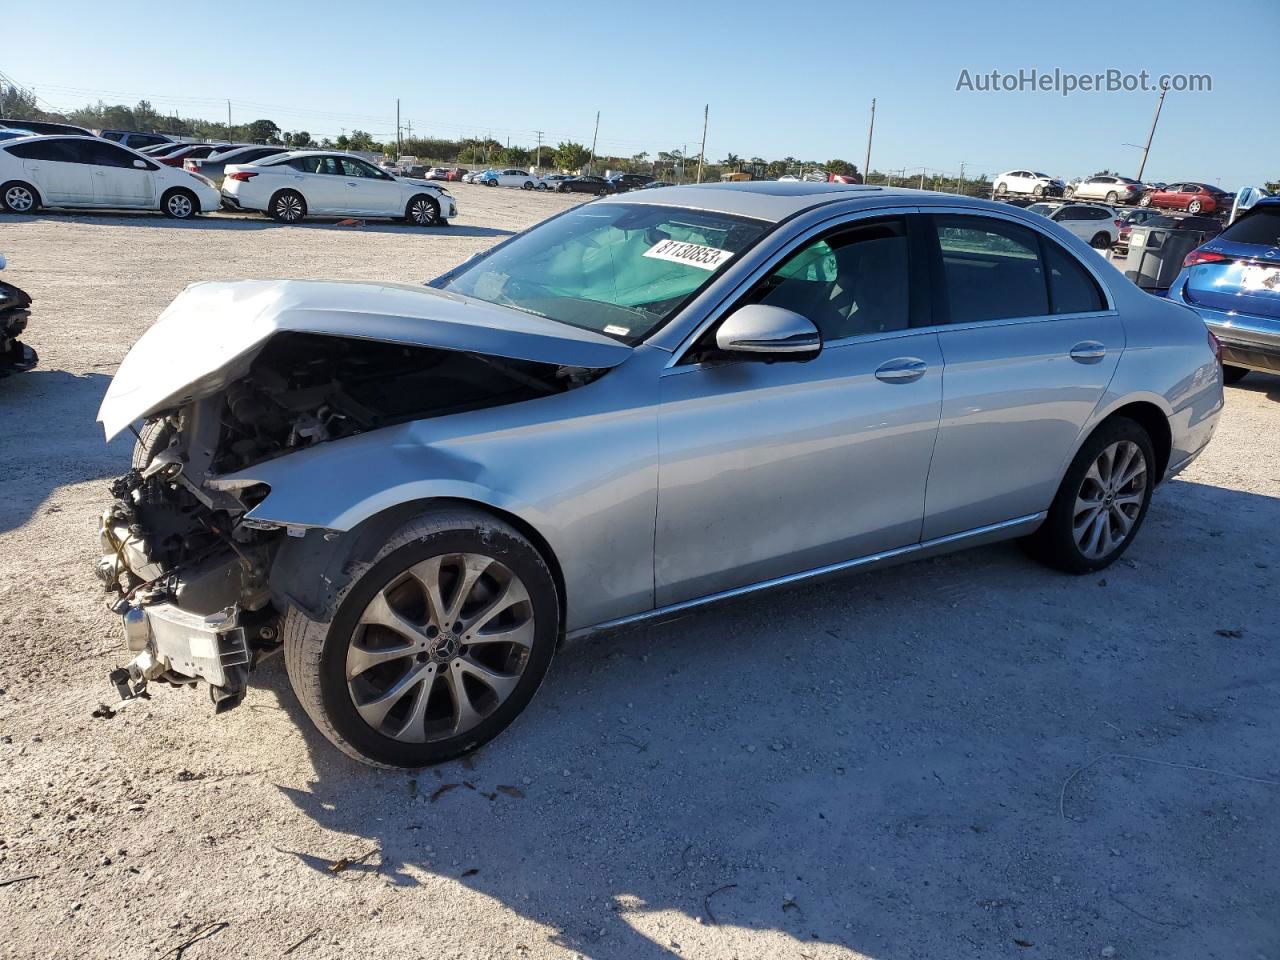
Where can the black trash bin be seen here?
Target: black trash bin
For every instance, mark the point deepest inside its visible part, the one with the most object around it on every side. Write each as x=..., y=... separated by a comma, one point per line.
x=1156, y=255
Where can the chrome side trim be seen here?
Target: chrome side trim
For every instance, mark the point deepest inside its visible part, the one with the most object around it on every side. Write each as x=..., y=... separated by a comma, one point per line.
x=995, y=531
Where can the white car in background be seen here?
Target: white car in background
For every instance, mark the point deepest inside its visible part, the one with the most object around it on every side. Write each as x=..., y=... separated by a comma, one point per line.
x=1095, y=224
x=511, y=178
x=58, y=171
x=1028, y=183
x=289, y=186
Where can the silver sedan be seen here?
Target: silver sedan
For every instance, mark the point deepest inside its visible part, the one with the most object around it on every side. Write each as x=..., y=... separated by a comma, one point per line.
x=643, y=405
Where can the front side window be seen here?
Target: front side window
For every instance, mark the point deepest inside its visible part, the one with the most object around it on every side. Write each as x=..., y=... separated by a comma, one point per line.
x=849, y=284
x=105, y=155
x=617, y=269
x=991, y=269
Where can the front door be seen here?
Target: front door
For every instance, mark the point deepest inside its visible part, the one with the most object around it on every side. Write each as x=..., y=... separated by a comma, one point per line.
x=1030, y=346
x=769, y=469
x=368, y=189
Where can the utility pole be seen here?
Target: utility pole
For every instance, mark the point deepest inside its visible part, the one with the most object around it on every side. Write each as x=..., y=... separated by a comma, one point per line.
x=409, y=126
x=706, y=112
x=397, y=128
x=960, y=182
x=538, y=163
x=228, y=119
x=592, y=168
x=866, y=167
x=1154, y=121
x=922, y=178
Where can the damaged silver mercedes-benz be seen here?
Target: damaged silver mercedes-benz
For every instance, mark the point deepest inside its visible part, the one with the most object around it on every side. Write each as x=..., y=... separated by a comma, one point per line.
x=644, y=404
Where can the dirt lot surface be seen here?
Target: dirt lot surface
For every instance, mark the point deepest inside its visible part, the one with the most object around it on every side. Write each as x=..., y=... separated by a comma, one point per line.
x=967, y=757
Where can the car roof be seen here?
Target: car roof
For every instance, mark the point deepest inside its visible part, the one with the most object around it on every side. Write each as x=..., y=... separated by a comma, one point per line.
x=776, y=200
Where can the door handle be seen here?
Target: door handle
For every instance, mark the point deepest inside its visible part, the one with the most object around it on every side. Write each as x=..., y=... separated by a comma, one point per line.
x=901, y=370
x=1088, y=351
x=352, y=183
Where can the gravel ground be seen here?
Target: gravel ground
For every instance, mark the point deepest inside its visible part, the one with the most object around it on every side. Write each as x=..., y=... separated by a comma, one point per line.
x=966, y=757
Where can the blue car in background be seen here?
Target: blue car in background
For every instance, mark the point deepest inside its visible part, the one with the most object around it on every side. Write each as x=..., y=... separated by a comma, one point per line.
x=1233, y=282
x=13, y=133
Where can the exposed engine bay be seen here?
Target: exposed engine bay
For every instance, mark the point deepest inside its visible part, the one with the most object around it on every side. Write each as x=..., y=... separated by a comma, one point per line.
x=189, y=574
x=15, y=309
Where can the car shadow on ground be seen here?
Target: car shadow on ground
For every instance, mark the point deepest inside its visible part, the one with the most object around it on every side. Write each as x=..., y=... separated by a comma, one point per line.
x=31, y=467
x=235, y=221
x=1264, y=383
x=966, y=756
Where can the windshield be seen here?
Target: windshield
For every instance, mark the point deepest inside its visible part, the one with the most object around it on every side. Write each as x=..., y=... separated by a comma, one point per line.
x=619, y=269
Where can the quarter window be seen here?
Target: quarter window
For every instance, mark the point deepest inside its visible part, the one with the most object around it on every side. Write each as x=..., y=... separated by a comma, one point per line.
x=1071, y=288
x=851, y=283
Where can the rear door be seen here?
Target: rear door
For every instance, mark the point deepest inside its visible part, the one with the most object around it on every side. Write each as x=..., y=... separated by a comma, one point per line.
x=770, y=469
x=60, y=169
x=319, y=180
x=1030, y=344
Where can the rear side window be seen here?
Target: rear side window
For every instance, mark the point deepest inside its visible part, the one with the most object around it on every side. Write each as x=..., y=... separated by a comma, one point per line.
x=1071, y=288
x=991, y=269
x=1261, y=226
x=62, y=151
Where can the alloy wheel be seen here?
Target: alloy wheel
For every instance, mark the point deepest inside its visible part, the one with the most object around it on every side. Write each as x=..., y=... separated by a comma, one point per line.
x=440, y=648
x=288, y=207
x=423, y=212
x=179, y=206
x=1110, y=499
x=19, y=199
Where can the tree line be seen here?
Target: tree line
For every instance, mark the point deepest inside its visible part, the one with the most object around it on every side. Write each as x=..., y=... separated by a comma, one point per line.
x=15, y=102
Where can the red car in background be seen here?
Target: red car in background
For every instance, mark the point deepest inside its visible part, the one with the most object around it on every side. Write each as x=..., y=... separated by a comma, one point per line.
x=1191, y=197
x=844, y=178
x=457, y=173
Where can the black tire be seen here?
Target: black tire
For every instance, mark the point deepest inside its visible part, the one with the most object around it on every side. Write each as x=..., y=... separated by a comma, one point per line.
x=179, y=204
x=315, y=651
x=1232, y=374
x=1054, y=544
x=491, y=183
x=154, y=436
x=287, y=206
x=422, y=211
x=560, y=188
x=1100, y=241
x=528, y=185
x=16, y=193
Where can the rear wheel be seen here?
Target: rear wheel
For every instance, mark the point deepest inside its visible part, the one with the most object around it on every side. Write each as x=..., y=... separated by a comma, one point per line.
x=179, y=204
x=1102, y=501
x=434, y=649
x=1069, y=193
x=1194, y=206
x=1232, y=374
x=19, y=197
x=1145, y=200
x=423, y=211
x=528, y=185
x=1100, y=241
x=287, y=206
x=1111, y=196
x=1037, y=191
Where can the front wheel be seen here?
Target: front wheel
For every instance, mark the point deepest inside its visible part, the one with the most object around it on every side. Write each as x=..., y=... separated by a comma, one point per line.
x=180, y=204
x=423, y=211
x=1232, y=374
x=434, y=649
x=1001, y=189
x=1102, y=501
x=491, y=183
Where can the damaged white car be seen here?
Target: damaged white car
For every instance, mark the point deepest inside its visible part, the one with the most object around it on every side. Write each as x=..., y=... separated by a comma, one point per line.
x=641, y=405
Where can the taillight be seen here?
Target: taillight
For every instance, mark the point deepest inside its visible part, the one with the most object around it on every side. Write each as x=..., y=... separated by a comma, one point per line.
x=1202, y=256
x=1215, y=345
x=1117, y=222
x=190, y=165
x=241, y=175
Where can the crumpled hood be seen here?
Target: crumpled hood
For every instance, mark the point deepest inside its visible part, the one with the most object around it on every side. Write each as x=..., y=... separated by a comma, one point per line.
x=212, y=331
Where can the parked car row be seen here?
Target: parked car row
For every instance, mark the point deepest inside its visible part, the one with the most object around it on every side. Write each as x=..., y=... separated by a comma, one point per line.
x=1190, y=196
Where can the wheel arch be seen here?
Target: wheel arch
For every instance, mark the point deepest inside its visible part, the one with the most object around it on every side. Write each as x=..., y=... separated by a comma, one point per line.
x=308, y=570
x=1152, y=418
x=177, y=188
x=34, y=186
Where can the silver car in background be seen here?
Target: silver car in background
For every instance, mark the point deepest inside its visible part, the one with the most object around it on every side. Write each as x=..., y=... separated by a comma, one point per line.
x=1112, y=189
x=643, y=405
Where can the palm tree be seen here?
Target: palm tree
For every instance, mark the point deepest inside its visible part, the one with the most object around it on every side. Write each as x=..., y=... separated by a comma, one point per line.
x=733, y=160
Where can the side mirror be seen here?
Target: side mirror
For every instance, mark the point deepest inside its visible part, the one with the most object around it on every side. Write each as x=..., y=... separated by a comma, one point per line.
x=760, y=332
x=140, y=164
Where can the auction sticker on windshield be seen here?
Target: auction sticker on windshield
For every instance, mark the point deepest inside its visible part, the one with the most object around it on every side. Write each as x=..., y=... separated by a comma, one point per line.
x=693, y=254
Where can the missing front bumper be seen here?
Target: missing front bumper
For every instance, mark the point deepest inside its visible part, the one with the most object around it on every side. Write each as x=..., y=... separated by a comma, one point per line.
x=181, y=647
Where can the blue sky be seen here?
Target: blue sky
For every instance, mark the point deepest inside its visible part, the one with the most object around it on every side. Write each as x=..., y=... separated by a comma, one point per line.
x=781, y=79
